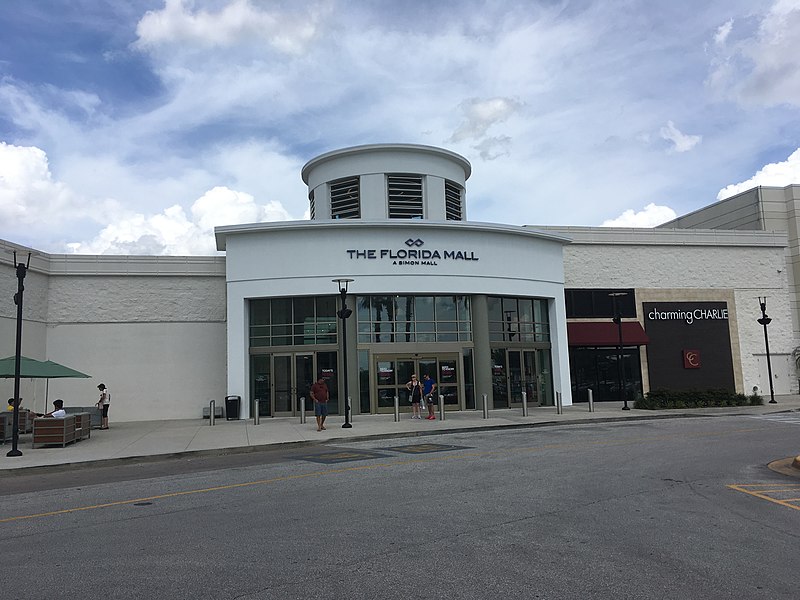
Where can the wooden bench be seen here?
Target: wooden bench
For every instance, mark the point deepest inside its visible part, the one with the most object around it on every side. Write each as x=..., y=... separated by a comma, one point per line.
x=48, y=430
x=83, y=426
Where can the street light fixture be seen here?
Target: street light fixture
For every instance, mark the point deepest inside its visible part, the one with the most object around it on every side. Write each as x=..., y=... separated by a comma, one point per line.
x=617, y=318
x=344, y=314
x=765, y=320
x=22, y=270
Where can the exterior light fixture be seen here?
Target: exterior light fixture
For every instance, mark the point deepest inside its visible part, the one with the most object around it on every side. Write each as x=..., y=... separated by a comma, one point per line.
x=617, y=318
x=344, y=313
x=22, y=270
x=765, y=320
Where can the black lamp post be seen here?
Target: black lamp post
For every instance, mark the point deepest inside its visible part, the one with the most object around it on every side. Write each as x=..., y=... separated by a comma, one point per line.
x=22, y=270
x=765, y=320
x=343, y=314
x=617, y=318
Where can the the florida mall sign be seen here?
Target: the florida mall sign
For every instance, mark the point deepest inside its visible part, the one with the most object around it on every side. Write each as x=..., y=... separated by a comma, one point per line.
x=412, y=255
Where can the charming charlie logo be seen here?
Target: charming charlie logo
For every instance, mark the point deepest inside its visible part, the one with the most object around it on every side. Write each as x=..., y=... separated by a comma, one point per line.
x=412, y=256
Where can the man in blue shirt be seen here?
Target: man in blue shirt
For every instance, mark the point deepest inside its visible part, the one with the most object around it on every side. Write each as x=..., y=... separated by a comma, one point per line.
x=428, y=387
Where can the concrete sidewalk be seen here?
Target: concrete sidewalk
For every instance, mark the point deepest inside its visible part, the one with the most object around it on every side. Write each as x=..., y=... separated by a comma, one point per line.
x=164, y=438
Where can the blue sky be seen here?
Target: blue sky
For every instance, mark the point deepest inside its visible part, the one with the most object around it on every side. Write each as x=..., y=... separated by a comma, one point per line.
x=136, y=127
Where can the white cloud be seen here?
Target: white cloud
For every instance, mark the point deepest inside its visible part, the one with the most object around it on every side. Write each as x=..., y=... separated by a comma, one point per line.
x=650, y=216
x=723, y=32
x=762, y=67
x=680, y=141
x=480, y=115
x=778, y=174
x=178, y=25
x=32, y=202
x=172, y=232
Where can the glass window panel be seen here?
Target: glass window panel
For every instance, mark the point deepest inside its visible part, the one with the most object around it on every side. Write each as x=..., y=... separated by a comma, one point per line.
x=446, y=337
x=303, y=310
x=445, y=308
x=281, y=330
x=259, y=312
x=326, y=308
x=525, y=309
x=404, y=308
x=260, y=342
x=259, y=330
x=426, y=337
x=362, y=308
x=425, y=327
x=383, y=308
x=495, y=308
x=281, y=310
x=540, y=314
x=510, y=308
x=464, y=312
x=464, y=337
x=446, y=326
x=423, y=308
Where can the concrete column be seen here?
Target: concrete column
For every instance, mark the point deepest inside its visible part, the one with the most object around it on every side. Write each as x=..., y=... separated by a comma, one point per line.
x=433, y=201
x=559, y=348
x=482, y=353
x=374, y=198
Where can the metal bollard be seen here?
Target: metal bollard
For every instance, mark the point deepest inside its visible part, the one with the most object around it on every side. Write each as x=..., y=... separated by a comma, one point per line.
x=212, y=407
x=302, y=410
x=441, y=408
x=396, y=409
x=485, y=406
x=591, y=401
x=257, y=412
x=524, y=404
x=559, y=406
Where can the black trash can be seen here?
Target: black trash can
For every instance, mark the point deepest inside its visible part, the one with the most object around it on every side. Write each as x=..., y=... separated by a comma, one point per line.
x=232, y=407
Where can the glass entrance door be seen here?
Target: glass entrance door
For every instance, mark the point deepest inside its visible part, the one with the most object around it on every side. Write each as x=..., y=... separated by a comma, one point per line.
x=515, y=372
x=393, y=372
x=293, y=376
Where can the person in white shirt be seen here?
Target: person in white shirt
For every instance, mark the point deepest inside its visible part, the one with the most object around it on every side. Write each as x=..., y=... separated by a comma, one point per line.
x=103, y=403
x=58, y=411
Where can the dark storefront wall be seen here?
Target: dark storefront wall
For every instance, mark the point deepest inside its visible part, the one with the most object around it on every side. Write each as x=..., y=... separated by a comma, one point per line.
x=596, y=369
x=685, y=355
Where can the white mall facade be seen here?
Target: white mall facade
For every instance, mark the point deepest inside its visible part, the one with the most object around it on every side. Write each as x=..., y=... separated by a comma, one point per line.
x=485, y=309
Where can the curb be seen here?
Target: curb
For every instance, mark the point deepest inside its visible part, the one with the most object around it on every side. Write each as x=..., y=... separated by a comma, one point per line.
x=278, y=446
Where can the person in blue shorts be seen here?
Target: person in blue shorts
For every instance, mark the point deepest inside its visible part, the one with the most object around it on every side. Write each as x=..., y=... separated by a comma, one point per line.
x=319, y=394
x=428, y=387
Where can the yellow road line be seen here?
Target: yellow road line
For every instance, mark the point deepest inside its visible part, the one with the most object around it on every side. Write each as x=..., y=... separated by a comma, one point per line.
x=439, y=457
x=762, y=495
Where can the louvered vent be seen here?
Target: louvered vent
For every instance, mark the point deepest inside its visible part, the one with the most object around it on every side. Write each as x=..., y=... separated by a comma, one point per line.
x=311, y=209
x=345, y=202
x=452, y=201
x=405, y=196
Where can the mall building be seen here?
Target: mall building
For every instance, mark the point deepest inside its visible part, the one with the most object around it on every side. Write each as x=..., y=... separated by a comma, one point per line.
x=487, y=310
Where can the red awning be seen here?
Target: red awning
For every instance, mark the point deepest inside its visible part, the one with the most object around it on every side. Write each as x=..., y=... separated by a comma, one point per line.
x=606, y=334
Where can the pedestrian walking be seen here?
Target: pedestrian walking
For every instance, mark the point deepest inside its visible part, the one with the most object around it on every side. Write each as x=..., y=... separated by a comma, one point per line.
x=319, y=394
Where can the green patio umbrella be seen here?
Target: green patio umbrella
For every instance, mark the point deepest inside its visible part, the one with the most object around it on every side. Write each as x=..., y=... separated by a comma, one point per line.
x=30, y=368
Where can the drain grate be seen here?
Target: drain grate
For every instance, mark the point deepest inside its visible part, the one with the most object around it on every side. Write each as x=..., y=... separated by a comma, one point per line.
x=330, y=458
x=426, y=448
